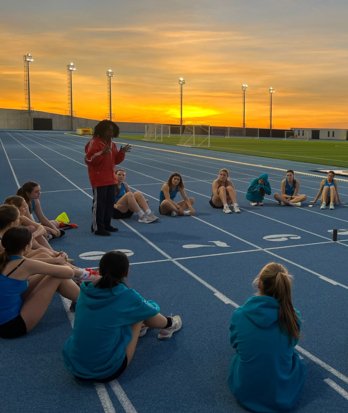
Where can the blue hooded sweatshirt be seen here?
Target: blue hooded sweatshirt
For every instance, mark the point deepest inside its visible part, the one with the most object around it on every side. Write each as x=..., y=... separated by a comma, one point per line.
x=256, y=191
x=266, y=373
x=97, y=346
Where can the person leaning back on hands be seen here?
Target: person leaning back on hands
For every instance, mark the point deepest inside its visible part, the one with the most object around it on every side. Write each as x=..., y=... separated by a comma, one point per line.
x=101, y=157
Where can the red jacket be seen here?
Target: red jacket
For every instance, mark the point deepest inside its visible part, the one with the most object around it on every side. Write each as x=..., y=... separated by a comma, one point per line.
x=101, y=165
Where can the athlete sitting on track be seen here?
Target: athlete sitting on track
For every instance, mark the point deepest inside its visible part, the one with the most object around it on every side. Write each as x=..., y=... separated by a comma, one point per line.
x=266, y=373
x=168, y=193
x=224, y=193
x=27, y=286
x=128, y=202
x=289, y=191
x=109, y=319
x=257, y=189
x=38, y=231
x=328, y=191
x=31, y=192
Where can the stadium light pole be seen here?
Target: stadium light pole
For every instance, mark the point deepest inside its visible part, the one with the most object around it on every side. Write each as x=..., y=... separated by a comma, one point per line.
x=244, y=89
x=71, y=68
x=181, y=83
x=28, y=58
x=271, y=91
x=109, y=75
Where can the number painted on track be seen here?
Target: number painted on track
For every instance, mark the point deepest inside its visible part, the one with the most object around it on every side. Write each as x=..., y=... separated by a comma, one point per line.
x=219, y=244
x=281, y=237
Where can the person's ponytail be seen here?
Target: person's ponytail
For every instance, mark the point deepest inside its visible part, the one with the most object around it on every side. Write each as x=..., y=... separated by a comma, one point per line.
x=287, y=316
x=275, y=281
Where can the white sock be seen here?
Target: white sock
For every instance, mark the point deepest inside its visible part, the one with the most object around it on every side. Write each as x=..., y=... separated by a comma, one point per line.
x=225, y=205
x=141, y=213
x=148, y=211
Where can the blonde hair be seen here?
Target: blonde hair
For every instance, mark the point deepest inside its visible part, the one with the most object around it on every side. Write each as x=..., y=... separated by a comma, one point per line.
x=275, y=281
x=225, y=170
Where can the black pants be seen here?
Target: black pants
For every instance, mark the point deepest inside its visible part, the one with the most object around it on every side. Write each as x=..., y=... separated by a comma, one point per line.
x=103, y=206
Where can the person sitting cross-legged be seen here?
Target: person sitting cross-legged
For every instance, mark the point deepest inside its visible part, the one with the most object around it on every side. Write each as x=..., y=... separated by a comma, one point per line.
x=289, y=194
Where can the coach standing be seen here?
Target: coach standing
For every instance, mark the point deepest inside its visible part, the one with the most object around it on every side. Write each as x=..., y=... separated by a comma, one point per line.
x=101, y=157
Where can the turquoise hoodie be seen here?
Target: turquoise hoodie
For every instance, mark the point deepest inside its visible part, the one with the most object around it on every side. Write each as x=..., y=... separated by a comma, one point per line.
x=256, y=191
x=102, y=329
x=266, y=373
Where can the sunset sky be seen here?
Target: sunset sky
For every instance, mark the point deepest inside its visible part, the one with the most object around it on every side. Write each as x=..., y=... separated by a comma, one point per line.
x=299, y=47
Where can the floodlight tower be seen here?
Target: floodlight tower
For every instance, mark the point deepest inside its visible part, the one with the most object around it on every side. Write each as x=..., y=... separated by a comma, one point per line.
x=181, y=83
x=109, y=76
x=70, y=69
x=28, y=58
x=271, y=91
x=244, y=89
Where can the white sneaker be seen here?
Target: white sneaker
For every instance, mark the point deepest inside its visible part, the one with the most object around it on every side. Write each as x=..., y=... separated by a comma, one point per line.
x=166, y=333
x=226, y=209
x=323, y=205
x=151, y=217
x=332, y=205
x=253, y=203
x=173, y=214
x=298, y=204
x=143, y=330
x=236, y=208
x=144, y=220
x=187, y=212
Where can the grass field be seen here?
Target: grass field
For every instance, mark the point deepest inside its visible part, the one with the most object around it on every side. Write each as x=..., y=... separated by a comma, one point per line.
x=333, y=153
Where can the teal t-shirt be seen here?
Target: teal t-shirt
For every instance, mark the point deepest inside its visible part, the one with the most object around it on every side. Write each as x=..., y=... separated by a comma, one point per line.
x=102, y=329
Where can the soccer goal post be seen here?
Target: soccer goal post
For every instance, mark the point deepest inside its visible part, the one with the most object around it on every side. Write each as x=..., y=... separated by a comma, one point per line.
x=195, y=135
x=185, y=135
x=156, y=132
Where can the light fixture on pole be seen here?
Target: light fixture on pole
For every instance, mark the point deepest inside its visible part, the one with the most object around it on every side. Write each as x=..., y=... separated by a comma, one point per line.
x=271, y=91
x=244, y=89
x=71, y=68
x=181, y=83
x=110, y=74
x=28, y=58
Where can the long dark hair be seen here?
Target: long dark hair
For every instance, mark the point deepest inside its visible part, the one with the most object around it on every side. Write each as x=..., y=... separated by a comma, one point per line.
x=8, y=214
x=113, y=268
x=274, y=280
x=169, y=182
x=14, y=241
x=25, y=190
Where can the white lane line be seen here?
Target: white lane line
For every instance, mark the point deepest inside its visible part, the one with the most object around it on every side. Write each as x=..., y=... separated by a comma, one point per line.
x=337, y=388
x=104, y=398
x=122, y=397
x=322, y=364
x=10, y=165
x=54, y=169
